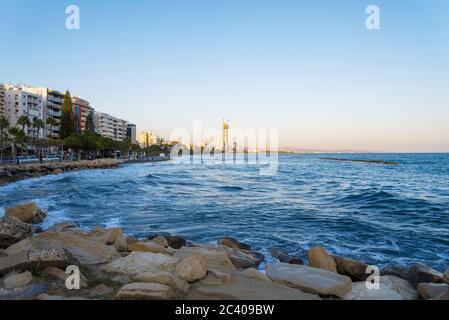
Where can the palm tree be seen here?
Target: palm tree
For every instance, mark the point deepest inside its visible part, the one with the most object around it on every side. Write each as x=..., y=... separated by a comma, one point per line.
x=4, y=124
x=23, y=121
x=51, y=122
x=18, y=137
x=37, y=124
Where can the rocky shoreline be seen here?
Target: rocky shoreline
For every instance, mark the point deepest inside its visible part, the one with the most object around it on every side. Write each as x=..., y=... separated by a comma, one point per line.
x=13, y=173
x=35, y=265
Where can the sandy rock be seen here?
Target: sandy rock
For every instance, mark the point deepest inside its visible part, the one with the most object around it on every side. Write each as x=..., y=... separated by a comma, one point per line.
x=18, y=280
x=233, y=243
x=429, y=291
x=398, y=271
x=319, y=258
x=285, y=257
x=391, y=288
x=308, y=279
x=354, y=269
x=28, y=213
x=59, y=274
x=85, y=250
x=63, y=226
x=13, y=231
x=443, y=296
x=163, y=277
x=131, y=240
x=215, y=278
x=446, y=276
x=192, y=268
x=111, y=237
x=243, y=259
x=44, y=296
x=420, y=273
x=255, y=274
x=55, y=273
x=242, y=287
x=148, y=247
x=37, y=260
x=140, y=262
x=166, y=278
x=217, y=258
x=145, y=291
x=100, y=291
x=160, y=240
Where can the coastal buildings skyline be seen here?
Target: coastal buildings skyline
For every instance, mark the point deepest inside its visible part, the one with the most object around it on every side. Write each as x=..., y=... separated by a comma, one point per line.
x=42, y=103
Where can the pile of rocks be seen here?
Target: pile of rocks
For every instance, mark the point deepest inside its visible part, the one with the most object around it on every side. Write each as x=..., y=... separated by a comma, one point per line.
x=24, y=171
x=113, y=266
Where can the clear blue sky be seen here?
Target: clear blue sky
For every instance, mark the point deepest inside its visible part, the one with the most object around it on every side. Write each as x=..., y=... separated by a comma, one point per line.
x=308, y=68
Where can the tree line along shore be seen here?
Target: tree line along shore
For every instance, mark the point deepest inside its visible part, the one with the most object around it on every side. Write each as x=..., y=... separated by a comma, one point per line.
x=112, y=265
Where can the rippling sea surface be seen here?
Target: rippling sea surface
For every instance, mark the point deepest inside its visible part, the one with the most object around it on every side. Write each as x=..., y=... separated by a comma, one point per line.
x=383, y=214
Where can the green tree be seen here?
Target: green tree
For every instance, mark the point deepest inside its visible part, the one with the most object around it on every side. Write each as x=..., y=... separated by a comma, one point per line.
x=18, y=137
x=4, y=125
x=87, y=125
x=74, y=142
x=67, y=117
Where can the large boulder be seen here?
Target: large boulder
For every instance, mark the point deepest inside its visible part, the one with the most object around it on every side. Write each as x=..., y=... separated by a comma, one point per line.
x=285, y=257
x=395, y=270
x=446, y=276
x=243, y=259
x=160, y=240
x=148, y=247
x=140, y=262
x=28, y=213
x=243, y=287
x=354, y=269
x=217, y=258
x=233, y=243
x=391, y=288
x=192, y=268
x=420, y=273
x=85, y=250
x=176, y=242
x=308, y=279
x=36, y=260
x=13, y=231
x=111, y=237
x=319, y=258
x=164, y=277
x=145, y=291
x=17, y=280
x=431, y=291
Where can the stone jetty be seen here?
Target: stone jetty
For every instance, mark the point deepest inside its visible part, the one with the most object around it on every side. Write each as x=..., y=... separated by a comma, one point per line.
x=12, y=173
x=111, y=265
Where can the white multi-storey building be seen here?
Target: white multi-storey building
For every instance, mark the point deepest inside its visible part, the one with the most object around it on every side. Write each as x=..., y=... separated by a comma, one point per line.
x=19, y=101
x=2, y=100
x=109, y=126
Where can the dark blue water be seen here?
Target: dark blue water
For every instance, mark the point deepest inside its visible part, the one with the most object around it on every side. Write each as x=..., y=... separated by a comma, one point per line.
x=383, y=214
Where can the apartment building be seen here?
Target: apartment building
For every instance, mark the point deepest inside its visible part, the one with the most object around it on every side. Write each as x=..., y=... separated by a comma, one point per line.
x=131, y=133
x=54, y=104
x=83, y=113
x=2, y=100
x=20, y=101
x=110, y=127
